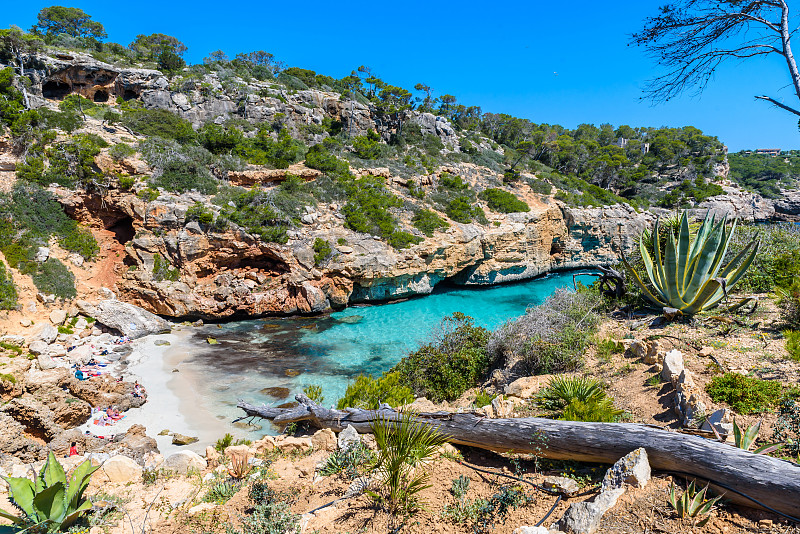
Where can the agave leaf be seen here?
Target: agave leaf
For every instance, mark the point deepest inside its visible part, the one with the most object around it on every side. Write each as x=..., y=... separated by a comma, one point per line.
x=707, y=256
x=638, y=282
x=49, y=503
x=658, y=261
x=53, y=472
x=22, y=492
x=737, y=434
x=768, y=448
x=671, y=287
x=15, y=519
x=696, y=501
x=751, y=434
x=745, y=264
x=78, y=483
x=683, y=253
x=702, y=234
x=71, y=517
x=700, y=301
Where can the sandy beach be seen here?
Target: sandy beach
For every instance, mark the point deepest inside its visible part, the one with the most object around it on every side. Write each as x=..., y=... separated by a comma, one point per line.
x=172, y=404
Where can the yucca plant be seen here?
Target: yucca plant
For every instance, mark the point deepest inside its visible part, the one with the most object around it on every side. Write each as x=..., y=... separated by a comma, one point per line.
x=49, y=503
x=578, y=398
x=745, y=440
x=692, y=503
x=403, y=443
x=689, y=275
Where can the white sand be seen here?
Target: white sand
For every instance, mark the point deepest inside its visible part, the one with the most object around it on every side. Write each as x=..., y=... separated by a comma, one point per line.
x=172, y=404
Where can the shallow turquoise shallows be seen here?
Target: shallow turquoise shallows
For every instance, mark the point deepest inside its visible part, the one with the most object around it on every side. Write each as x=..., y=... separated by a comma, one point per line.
x=271, y=360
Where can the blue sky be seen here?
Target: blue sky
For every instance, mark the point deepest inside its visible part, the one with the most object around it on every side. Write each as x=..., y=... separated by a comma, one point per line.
x=551, y=62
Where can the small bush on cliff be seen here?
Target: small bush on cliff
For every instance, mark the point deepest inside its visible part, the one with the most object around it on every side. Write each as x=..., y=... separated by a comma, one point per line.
x=322, y=251
x=578, y=398
x=264, y=150
x=54, y=278
x=270, y=512
x=368, y=146
x=453, y=362
x=551, y=337
x=163, y=270
x=427, y=222
x=159, y=123
x=457, y=200
x=368, y=393
x=503, y=201
x=777, y=263
x=8, y=291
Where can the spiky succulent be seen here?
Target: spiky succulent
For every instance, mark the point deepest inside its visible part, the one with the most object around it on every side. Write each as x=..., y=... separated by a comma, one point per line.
x=689, y=275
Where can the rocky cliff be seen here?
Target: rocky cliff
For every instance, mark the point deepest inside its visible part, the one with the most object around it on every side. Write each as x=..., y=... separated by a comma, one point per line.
x=181, y=268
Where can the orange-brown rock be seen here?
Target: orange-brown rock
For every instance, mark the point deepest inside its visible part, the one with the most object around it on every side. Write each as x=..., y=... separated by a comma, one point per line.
x=251, y=177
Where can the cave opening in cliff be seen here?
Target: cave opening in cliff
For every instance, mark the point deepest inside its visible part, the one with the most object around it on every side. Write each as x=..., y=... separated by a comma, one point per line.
x=129, y=95
x=556, y=247
x=261, y=263
x=55, y=89
x=100, y=96
x=123, y=230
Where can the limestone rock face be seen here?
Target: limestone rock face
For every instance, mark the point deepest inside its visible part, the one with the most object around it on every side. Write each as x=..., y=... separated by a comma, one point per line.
x=130, y=320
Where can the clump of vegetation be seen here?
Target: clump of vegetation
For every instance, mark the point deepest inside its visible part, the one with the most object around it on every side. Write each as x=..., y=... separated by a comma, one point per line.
x=200, y=213
x=457, y=200
x=349, y=462
x=744, y=394
x=789, y=304
x=368, y=392
x=322, y=251
x=692, y=503
x=578, y=399
x=403, y=445
x=8, y=291
x=503, y=201
x=270, y=513
x=793, y=343
x=551, y=337
x=483, y=398
x=777, y=263
x=427, y=222
x=314, y=392
x=227, y=441
x=53, y=278
x=159, y=123
x=163, y=270
x=222, y=491
x=453, y=362
x=787, y=427
x=368, y=146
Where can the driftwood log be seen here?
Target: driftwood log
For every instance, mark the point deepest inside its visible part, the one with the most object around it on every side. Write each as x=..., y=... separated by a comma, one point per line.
x=770, y=481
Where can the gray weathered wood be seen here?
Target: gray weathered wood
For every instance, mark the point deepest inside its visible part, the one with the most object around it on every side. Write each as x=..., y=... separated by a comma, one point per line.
x=774, y=482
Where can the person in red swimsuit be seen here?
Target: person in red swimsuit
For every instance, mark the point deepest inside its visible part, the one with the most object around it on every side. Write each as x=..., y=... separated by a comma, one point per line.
x=73, y=449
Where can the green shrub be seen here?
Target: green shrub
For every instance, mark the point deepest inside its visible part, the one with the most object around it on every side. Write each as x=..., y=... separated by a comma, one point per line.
x=789, y=304
x=199, y=212
x=777, y=263
x=368, y=393
x=787, y=427
x=792, y=343
x=163, y=270
x=503, y=201
x=400, y=239
x=427, y=222
x=264, y=150
x=4, y=377
x=368, y=146
x=461, y=209
x=318, y=157
x=221, y=492
x=227, y=441
x=314, y=393
x=8, y=291
x=578, y=399
x=54, y=278
x=258, y=211
x=482, y=398
x=159, y=123
x=403, y=445
x=543, y=187
x=348, y=461
x=126, y=182
x=270, y=513
x=322, y=251
x=744, y=394
x=551, y=337
x=121, y=151
x=180, y=176
x=218, y=139
x=81, y=241
x=453, y=362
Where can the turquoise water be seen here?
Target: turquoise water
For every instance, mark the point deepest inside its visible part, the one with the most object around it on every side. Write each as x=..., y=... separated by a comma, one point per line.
x=329, y=351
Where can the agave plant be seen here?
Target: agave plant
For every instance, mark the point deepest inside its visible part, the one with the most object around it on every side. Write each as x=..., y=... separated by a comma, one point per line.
x=689, y=275
x=692, y=503
x=745, y=440
x=50, y=502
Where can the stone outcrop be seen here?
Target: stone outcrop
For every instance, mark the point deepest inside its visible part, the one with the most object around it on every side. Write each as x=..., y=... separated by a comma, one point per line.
x=128, y=319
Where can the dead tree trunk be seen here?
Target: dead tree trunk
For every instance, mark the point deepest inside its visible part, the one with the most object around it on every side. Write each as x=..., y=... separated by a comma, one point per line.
x=772, y=482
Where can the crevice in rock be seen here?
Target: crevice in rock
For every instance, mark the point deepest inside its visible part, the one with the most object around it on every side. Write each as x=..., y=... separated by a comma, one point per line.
x=123, y=230
x=55, y=90
x=100, y=96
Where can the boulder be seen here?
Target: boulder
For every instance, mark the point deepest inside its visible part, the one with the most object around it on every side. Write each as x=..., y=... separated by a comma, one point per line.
x=13, y=339
x=38, y=347
x=633, y=469
x=128, y=319
x=673, y=366
x=184, y=461
x=212, y=456
x=293, y=444
x=324, y=440
x=652, y=355
x=46, y=333
x=585, y=517
x=41, y=254
x=45, y=362
x=240, y=452
x=25, y=322
x=57, y=317
x=637, y=349
x=202, y=507
x=527, y=386
x=721, y=420
x=121, y=469
x=348, y=437
x=180, y=439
